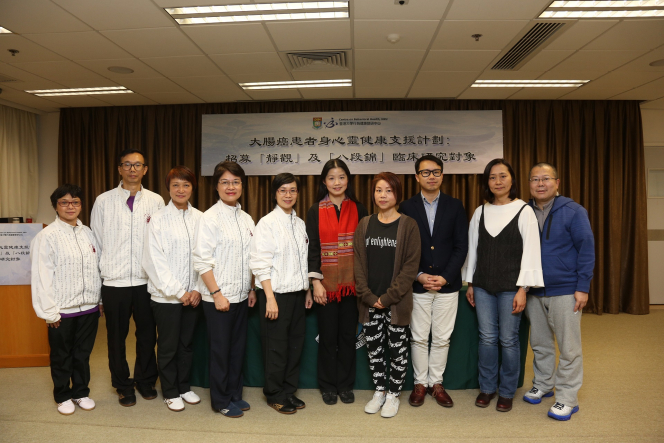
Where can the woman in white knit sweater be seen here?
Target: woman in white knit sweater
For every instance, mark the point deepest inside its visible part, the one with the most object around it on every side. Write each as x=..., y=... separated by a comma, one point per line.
x=66, y=288
x=173, y=286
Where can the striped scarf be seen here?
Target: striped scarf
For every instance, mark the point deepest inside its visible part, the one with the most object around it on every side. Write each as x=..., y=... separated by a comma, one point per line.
x=336, y=247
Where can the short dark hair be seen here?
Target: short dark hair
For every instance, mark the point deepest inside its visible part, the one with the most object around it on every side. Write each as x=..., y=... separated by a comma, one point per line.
x=282, y=179
x=331, y=164
x=392, y=180
x=130, y=151
x=224, y=167
x=183, y=173
x=488, y=195
x=544, y=164
x=74, y=190
x=431, y=158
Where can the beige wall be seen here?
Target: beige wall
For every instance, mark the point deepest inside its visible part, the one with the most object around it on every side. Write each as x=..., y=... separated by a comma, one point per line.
x=653, y=137
x=47, y=143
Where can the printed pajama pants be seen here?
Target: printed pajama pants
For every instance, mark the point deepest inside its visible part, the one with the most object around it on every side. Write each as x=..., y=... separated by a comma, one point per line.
x=397, y=343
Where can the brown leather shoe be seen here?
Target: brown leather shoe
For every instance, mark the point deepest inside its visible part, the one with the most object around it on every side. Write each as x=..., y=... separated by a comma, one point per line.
x=417, y=396
x=441, y=396
x=483, y=399
x=504, y=404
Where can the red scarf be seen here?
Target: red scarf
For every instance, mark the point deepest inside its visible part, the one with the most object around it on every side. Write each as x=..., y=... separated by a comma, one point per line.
x=336, y=247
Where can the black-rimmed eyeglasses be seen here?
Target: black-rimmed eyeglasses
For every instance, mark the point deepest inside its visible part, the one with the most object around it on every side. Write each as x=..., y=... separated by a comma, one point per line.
x=427, y=172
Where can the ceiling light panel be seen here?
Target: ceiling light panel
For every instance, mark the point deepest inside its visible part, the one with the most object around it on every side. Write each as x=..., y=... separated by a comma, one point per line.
x=528, y=83
x=5, y=30
x=81, y=91
x=259, y=12
x=337, y=83
x=605, y=9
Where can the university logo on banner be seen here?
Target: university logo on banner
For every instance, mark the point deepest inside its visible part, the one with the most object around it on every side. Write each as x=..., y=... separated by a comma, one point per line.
x=318, y=122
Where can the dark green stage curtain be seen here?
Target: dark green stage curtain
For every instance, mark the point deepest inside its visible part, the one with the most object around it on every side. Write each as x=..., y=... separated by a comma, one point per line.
x=597, y=147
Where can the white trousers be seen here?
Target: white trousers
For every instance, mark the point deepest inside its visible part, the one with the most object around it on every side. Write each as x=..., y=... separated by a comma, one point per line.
x=433, y=313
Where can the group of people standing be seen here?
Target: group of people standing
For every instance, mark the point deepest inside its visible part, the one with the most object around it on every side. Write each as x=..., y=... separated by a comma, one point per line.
x=398, y=271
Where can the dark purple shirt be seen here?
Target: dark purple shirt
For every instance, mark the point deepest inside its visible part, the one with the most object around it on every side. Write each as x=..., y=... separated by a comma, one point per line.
x=78, y=314
x=130, y=203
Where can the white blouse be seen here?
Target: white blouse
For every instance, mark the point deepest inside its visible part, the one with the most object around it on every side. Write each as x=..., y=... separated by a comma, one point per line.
x=279, y=252
x=496, y=217
x=167, y=253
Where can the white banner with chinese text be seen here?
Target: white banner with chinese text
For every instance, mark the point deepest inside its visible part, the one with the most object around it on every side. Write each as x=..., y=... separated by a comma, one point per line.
x=368, y=141
x=15, y=265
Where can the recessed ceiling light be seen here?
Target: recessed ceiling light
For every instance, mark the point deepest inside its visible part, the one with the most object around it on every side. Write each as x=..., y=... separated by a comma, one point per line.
x=604, y=9
x=196, y=15
x=657, y=63
x=299, y=84
x=120, y=70
x=5, y=31
x=81, y=91
x=528, y=83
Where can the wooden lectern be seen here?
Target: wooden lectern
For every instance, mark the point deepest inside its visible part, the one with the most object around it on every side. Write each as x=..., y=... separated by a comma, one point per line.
x=23, y=336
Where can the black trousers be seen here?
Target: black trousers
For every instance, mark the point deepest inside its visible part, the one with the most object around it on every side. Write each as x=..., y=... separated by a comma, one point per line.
x=227, y=334
x=282, y=340
x=71, y=345
x=337, y=327
x=120, y=304
x=175, y=332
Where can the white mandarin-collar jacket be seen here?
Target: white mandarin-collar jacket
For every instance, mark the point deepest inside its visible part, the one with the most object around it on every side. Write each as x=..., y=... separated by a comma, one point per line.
x=168, y=253
x=279, y=251
x=222, y=245
x=65, y=270
x=120, y=234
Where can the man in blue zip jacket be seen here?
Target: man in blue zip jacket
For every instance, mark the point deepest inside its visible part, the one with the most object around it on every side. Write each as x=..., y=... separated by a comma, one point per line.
x=568, y=260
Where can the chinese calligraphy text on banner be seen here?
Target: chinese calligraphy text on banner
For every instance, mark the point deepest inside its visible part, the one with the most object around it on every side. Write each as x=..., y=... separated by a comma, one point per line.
x=369, y=142
x=15, y=264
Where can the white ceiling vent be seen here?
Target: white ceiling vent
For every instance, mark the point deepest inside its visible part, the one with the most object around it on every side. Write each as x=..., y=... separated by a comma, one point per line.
x=318, y=61
x=5, y=79
x=527, y=45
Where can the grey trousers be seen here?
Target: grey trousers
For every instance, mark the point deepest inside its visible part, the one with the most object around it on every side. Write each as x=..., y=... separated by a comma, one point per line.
x=552, y=319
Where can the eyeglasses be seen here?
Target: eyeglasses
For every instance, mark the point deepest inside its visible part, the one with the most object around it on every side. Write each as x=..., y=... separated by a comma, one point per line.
x=226, y=183
x=544, y=180
x=64, y=204
x=428, y=172
x=283, y=192
x=127, y=166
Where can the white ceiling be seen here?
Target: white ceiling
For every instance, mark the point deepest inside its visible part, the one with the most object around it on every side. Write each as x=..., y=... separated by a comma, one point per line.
x=71, y=43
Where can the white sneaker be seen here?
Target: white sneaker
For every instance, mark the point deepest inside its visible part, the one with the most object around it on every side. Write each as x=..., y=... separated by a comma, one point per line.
x=391, y=406
x=66, y=407
x=85, y=403
x=561, y=412
x=375, y=403
x=174, y=404
x=191, y=398
x=534, y=396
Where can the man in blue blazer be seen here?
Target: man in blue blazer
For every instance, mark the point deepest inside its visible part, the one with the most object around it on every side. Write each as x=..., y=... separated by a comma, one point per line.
x=443, y=227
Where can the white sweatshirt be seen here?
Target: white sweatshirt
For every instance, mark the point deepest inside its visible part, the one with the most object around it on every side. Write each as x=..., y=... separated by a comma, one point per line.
x=222, y=245
x=496, y=217
x=65, y=270
x=279, y=252
x=167, y=253
x=120, y=234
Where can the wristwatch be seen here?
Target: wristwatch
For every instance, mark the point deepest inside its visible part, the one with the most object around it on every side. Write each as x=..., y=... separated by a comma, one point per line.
x=525, y=288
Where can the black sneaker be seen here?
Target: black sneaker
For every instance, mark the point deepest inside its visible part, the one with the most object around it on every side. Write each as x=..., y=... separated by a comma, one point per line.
x=148, y=392
x=347, y=397
x=299, y=404
x=329, y=398
x=127, y=397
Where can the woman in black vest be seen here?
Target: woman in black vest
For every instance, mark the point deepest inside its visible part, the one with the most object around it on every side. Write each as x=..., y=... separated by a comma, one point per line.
x=503, y=263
